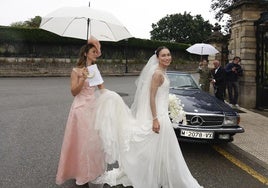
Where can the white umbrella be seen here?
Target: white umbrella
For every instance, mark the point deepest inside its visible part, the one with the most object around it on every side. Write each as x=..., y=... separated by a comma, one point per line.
x=202, y=49
x=83, y=22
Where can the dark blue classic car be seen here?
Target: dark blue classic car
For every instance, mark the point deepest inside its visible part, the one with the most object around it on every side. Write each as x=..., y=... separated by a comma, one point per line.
x=207, y=118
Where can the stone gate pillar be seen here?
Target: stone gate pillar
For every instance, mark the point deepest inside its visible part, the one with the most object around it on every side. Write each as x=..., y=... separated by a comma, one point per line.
x=243, y=43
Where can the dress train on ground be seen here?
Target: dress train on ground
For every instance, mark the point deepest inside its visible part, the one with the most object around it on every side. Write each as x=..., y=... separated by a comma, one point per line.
x=146, y=159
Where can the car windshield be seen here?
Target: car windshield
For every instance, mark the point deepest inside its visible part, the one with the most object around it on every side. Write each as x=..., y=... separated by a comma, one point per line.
x=182, y=81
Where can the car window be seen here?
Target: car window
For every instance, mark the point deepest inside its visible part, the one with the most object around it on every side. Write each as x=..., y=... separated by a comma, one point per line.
x=182, y=81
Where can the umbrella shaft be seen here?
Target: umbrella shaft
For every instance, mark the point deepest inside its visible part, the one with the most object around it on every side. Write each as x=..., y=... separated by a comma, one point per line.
x=88, y=21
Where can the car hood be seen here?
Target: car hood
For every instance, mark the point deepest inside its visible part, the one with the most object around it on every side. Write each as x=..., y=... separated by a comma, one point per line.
x=198, y=101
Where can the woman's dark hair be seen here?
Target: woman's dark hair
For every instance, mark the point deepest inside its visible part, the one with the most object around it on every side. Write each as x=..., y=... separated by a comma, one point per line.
x=82, y=58
x=157, y=51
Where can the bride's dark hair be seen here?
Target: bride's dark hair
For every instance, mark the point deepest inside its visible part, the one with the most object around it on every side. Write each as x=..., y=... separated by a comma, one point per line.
x=157, y=51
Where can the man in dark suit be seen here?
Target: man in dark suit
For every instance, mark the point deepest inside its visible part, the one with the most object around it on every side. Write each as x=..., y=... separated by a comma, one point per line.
x=218, y=80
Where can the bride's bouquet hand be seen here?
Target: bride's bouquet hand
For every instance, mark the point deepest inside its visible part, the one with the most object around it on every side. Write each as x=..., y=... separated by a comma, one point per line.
x=156, y=126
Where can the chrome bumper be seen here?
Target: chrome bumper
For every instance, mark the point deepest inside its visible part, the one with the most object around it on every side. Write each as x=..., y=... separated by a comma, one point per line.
x=236, y=129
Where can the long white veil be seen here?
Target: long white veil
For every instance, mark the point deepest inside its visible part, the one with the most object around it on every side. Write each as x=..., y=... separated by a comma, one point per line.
x=112, y=114
x=141, y=104
x=128, y=138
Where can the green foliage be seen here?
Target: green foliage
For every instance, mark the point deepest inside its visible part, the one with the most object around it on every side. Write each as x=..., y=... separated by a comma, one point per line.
x=40, y=43
x=33, y=23
x=18, y=24
x=219, y=6
x=181, y=28
x=33, y=35
x=156, y=43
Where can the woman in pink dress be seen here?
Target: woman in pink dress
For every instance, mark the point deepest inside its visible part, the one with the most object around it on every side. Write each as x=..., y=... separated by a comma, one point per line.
x=82, y=156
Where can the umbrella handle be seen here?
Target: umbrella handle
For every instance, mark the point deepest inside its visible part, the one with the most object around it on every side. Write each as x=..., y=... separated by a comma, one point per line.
x=88, y=20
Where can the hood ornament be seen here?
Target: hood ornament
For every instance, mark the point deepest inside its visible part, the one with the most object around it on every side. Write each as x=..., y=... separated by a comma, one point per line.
x=197, y=120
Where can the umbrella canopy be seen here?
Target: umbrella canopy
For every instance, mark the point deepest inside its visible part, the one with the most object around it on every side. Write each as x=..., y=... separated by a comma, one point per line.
x=83, y=22
x=202, y=49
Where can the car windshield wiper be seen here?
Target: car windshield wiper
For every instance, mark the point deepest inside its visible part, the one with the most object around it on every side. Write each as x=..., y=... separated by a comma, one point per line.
x=184, y=87
x=188, y=87
x=174, y=87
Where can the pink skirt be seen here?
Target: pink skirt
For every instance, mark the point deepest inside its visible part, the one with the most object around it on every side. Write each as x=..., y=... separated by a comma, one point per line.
x=82, y=156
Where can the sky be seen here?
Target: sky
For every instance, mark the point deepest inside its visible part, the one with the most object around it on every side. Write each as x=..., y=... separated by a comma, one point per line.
x=136, y=15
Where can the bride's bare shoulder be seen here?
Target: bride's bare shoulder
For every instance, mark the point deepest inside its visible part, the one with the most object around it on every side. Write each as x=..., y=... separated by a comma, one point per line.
x=158, y=76
x=159, y=73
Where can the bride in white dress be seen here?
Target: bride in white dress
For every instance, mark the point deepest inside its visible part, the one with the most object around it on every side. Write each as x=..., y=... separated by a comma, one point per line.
x=142, y=138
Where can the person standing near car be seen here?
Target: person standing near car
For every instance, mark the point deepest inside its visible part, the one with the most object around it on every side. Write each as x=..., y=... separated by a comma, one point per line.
x=233, y=72
x=148, y=152
x=218, y=80
x=82, y=156
x=204, y=75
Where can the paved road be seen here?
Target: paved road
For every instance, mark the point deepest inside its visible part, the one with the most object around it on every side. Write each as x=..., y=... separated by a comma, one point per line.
x=33, y=114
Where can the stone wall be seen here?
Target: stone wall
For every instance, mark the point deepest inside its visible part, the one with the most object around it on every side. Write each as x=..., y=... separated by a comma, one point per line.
x=29, y=67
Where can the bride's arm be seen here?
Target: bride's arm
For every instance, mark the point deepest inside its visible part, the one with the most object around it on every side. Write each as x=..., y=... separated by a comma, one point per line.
x=157, y=80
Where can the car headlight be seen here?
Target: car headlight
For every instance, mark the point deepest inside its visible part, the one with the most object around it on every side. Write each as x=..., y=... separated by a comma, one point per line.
x=231, y=120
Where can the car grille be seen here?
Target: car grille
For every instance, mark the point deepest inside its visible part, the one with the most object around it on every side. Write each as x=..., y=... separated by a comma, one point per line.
x=204, y=120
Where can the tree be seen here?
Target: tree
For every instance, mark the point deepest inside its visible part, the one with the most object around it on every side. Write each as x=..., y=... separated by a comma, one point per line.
x=218, y=6
x=33, y=22
x=18, y=24
x=182, y=28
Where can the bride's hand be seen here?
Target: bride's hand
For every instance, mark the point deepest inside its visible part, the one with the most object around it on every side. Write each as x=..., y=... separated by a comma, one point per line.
x=156, y=126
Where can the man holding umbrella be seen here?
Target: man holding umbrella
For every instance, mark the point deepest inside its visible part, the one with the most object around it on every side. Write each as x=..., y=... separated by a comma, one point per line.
x=204, y=75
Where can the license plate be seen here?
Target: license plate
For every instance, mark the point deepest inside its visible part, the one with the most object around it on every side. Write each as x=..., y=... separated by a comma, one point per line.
x=197, y=134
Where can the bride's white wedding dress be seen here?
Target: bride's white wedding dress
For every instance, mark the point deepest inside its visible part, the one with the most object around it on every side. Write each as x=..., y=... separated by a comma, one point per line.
x=146, y=159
